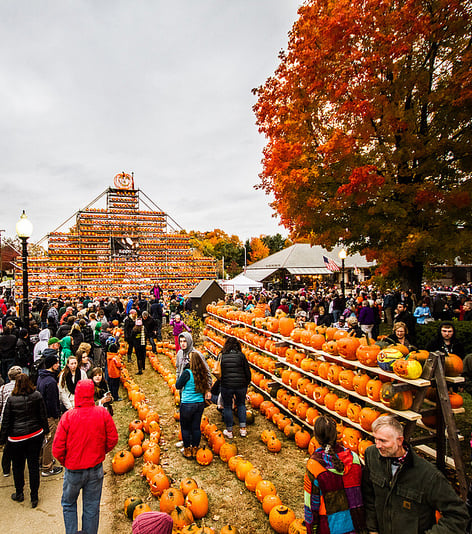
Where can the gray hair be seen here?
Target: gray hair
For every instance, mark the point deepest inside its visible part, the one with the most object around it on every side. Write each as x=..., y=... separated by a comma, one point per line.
x=389, y=421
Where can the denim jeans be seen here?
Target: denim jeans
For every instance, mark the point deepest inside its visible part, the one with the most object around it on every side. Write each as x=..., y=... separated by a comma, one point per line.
x=240, y=398
x=190, y=419
x=90, y=481
x=21, y=451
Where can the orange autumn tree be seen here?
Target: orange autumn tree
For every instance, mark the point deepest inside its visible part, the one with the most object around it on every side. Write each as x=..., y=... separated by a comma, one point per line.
x=258, y=250
x=368, y=127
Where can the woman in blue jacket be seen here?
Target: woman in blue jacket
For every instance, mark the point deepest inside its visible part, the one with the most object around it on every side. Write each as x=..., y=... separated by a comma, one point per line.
x=194, y=384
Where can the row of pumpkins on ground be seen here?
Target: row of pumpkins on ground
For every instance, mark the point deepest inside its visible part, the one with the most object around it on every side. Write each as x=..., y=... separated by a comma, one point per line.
x=184, y=504
x=281, y=518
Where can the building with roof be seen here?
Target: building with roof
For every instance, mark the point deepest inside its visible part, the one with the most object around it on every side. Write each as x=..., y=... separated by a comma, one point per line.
x=304, y=265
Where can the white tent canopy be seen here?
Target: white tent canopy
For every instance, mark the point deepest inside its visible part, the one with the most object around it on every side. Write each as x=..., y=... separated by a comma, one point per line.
x=239, y=283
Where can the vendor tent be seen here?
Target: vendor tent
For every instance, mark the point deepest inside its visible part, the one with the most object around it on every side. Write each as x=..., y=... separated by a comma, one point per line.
x=239, y=283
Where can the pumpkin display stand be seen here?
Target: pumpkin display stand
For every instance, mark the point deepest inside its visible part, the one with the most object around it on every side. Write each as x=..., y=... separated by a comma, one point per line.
x=445, y=430
x=299, y=379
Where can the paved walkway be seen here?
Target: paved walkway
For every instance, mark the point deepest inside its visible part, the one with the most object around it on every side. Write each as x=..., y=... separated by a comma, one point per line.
x=20, y=518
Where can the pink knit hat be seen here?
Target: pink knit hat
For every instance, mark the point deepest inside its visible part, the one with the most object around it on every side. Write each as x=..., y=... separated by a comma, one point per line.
x=153, y=523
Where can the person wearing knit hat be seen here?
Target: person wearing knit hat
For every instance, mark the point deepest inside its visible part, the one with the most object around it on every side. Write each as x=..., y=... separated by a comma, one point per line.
x=50, y=361
x=153, y=523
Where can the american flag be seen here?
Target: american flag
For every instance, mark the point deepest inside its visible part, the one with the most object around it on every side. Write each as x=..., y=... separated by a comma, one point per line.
x=331, y=265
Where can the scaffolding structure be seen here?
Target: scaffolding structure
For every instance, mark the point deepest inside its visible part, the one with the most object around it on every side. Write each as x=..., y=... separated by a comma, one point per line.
x=121, y=249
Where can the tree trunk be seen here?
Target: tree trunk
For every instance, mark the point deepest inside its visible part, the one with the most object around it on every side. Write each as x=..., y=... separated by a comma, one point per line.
x=411, y=277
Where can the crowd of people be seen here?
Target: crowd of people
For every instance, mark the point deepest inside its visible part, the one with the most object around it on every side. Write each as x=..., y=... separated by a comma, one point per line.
x=63, y=366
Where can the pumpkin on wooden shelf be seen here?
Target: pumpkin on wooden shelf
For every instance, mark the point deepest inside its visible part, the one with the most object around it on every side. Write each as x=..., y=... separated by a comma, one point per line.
x=454, y=366
x=351, y=438
x=353, y=411
x=367, y=416
x=359, y=383
x=341, y=406
x=386, y=358
x=373, y=388
x=456, y=400
x=347, y=347
x=330, y=400
x=367, y=355
x=346, y=377
x=333, y=373
x=397, y=400
x=419, y=355
x=409, y=369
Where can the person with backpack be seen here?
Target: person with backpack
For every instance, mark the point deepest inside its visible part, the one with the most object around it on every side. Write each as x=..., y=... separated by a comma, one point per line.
x=24, y=354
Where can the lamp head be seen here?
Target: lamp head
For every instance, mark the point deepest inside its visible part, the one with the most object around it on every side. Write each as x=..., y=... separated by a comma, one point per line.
x=342, y=254
x=24, y=228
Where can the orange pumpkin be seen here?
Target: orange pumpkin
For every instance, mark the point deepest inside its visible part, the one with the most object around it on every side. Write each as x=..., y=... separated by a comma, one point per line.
x=286, y=325
x=269, y=501
x=347, y=347
x=353, y=411
x=454, y=366
x=280, y=518
x=373, y=388
x=122, y=462
x=351, y=438
x=302, y=439
x=188, y=484
x=341, y=406
x=170, y=499
x=367, y=416
x=264, y=488
x=346, y=377
x=359, y=383
x=181, y=517
x=253, y=476
x=197, y=502
x=367, y=354
x=204, y=456
x=333, y=373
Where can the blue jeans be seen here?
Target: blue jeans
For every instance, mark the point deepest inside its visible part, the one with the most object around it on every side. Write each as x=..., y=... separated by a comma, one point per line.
x=190, y=419
x=240, y=398
x=90, y=481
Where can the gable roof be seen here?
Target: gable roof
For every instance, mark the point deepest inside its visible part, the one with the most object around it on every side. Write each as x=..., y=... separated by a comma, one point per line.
x=302, y=258
x=203, y=287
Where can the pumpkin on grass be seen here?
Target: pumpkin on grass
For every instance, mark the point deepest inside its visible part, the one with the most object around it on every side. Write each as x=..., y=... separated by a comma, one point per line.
x=187, y=485
x=181, y=516
x=204, y=456
x=264, y=488
x=197, y=502
x=122, y=462
x=170, y=499
x=130, y=505
x=280, y=518
x=269, y=501
x=140, y=509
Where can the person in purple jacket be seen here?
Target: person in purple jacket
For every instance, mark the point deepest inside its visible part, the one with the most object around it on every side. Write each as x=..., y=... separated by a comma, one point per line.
x=366, y=318
x=178, y=327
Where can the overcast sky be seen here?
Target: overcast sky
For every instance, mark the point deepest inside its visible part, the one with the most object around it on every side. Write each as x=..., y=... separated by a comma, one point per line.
x=89, y=88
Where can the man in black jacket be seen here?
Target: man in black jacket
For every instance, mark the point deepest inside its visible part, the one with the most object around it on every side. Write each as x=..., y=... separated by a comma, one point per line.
x=402, y=491
x=47, y=386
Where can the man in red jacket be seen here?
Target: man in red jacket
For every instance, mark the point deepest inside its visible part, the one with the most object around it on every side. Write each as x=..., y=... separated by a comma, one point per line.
x=84, y=436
